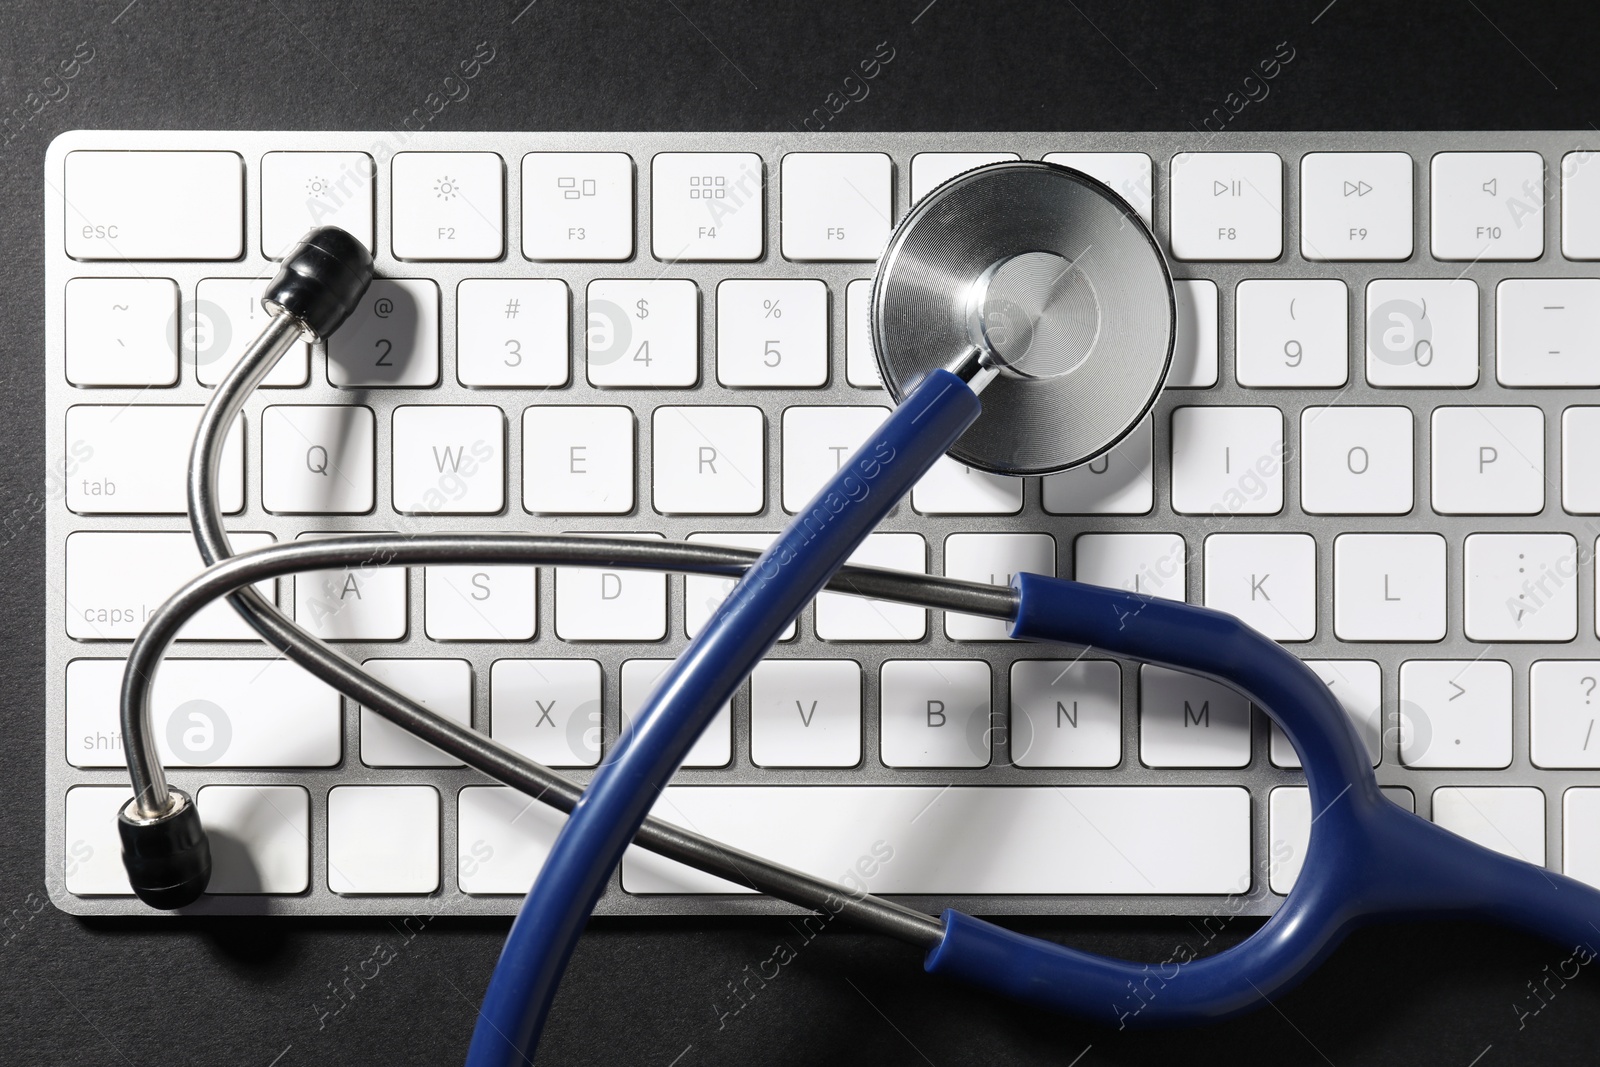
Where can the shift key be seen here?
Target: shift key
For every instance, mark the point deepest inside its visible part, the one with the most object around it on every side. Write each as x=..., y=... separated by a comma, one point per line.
x=133, y=459
x=154, y=205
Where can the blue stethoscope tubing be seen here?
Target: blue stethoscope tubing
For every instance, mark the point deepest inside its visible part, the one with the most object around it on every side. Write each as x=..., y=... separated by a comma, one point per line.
x=1367, y=857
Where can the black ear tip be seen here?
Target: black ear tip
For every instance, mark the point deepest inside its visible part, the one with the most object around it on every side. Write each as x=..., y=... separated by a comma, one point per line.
x=168, y=859
x=322, y=279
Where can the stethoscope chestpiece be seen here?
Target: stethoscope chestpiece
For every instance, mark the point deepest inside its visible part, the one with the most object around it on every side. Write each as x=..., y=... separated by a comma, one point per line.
x=1060, y=287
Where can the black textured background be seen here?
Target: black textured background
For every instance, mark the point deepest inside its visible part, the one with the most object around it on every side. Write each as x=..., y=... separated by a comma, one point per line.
x=253, y=993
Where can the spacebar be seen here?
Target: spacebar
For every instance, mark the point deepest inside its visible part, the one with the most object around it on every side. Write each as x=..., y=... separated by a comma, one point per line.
x=967, y=840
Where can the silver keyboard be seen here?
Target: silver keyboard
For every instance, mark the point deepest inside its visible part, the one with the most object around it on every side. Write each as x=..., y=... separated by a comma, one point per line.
x=1376, y=447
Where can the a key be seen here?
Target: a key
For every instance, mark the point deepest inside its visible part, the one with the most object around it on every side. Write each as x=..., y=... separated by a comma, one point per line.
x=643, y=334
x=317, y=459
x=480, y=603
x=992, y=558
x=383, y=839
x=704, y=593
x=1186, y=721
x=1355, y=205
x=122, y=331
x=1227, y=205
x=1194, y=335
x=154, y=205
x=708, y=460
x=109, y=600
x=860, y=359
x=772, y=333
x=448, y=205
x=134, y=458
x=1455, y=713
x=577, y=460
x=816, y=442
x=1521, y=587
x=502, y=839
x=706, y=206
x=1121, y=482
x=805, y=713
x=1358, y=686
x=841, y=617
x=449, y=460
x=594, y=604
x=1128, y=173
x=952, y=488
x=837, y=205
x=364, y=602
x=1563, y=707
x=92, y=862
x=1268, y=580
x=577, y=206
x=1388, y=587
x=929, y=170
x=1488, y=460
x=391, y=339
x=1545, y=331
x=1292, y=334
x=443, y=686
x=512, y=333
x=1356, y=460
x=935, y=713
x=1422, y=332
x=1580, y=205
x=547, y=709
x=260, y=837
x=1289, y=830
x=1488, y=205
x=300, y=190
x=1066, y=713
x=226, y=316
x=1227, y=461
x=714, y=746
x=1508, y=819
x=1580, y=829
x=1155, y=564
x=1580, y=475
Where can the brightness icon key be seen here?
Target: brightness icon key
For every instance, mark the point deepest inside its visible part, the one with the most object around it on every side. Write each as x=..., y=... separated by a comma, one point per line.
x=448, y=206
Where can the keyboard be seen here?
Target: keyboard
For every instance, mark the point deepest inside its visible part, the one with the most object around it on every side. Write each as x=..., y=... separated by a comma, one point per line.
x=1377, y=446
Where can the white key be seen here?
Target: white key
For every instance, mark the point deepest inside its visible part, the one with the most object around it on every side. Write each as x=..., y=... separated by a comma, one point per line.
x=449, y=460
x=225, y=318
x=1580, y=475
x=706, y=206
x=577, y=460
x=547, y=709
x=300, y=190
x=1388, y=587
x=1155, y=564
x=1268, y=580
x=1580, y=841
x=208, y=713
x=391, y=339
x=994, y=558
x=601, y=605
x=1422, y=332
x=383, y=839
x=1120, y=482
x=1455, y=713
x=805, y=713
x=1292, y=334
x=1066, y=713
x=860, y=357
x=1563, y=708
x=708, y=460
x=816, y=443
x=122, y=331
x=643, y=334
x=1488, y=461
x=154, y=205
x=1187, y=721
x=1194, y=337
x=443, y=686
x=134, y=459
x=1488, y=205
x=502, y=839
x=512, y=333
x=1289, y=833
x=1356, y=460
x=1509, y=820
x=317, y=460
x=772, y=333
x=841, y=617
x=1357, y=683
x=260, y=837
x=360, y=603
x=1128, y=174
x=116, y=581
x=938, y=839
x=929, y=170
x=837, y=205
x=1355, y=205
x=714, y=746
x=480, y=603
x=448, y=205
x=1227, y=205
x=934, y=713
x=1580, y=206
x=1545, y=331
x=1521, y=587
x=92, y=861
x=577, y=206
x=703, y=594
x=1227, y=461
x=952, y=488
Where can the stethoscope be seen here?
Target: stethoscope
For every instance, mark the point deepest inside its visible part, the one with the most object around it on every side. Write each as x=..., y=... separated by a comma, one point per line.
x=1039, y=288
